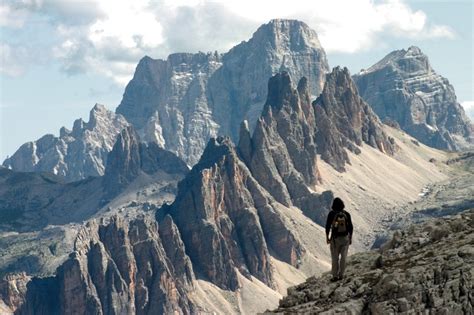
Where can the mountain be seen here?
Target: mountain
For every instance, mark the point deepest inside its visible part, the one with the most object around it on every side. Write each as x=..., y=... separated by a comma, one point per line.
x=184, y=100
x=76, y=154
x=117, y=266
x=30, y=201
x=404, y=88
x=425, y=268
x=246, y=220
x=40, y=214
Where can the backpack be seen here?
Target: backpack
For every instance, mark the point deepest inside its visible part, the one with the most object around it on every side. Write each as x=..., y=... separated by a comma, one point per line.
x=339, y=224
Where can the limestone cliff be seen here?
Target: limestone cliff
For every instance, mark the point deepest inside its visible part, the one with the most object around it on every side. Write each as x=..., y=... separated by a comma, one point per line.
x=405, y=88
x=184, y=100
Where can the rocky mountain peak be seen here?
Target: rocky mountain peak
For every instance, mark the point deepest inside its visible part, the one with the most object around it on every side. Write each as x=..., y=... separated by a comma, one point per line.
x=287, y=34
x=185, y=100
x=414, y=50
x=99, y=115
x=344, y=120
x=280, y=92
x=227, y=220
x=281, y=153
x=410, y=60
x=404, y=87
x=123, y=163
x=75, y=154
x=118, y=266
x=215, y=150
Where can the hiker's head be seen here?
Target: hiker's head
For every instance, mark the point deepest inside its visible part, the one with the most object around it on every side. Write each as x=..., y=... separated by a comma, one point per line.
x=337, y=204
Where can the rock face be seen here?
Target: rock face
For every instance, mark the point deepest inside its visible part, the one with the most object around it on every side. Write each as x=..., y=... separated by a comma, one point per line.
x=227, y=220
x=282, y=152
x=75, y=154
x=12, y=292
x=344, y=120
x=403, y=87
x=117, y=267
x=123, y=164
x=181, y=102
x=426, y=268
x=129, y=158
x=31, y=201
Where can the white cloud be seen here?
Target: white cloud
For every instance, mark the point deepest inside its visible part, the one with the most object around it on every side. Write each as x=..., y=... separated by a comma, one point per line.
x=469, y=109
x=109, y=37
x=12, y=18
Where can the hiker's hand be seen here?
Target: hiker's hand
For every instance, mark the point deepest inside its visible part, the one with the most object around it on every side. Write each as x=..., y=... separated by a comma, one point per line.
x=328, y=240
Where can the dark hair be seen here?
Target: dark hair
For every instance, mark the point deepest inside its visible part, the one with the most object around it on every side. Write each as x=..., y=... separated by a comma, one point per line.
x=337, y=204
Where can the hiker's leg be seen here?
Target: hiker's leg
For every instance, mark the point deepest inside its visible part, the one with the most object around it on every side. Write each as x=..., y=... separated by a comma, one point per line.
x=344, y=250
x=334, y=258
x=339, y=245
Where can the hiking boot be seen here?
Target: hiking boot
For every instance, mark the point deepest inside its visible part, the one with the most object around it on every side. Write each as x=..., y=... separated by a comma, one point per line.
x=334, y=279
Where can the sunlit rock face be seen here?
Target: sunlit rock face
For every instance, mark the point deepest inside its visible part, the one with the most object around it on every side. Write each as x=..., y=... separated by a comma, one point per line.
x=404, y=87
x=184, y=100
x=228, y=221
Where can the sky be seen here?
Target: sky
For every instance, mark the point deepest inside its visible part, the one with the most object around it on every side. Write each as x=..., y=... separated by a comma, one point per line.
x=60, y=57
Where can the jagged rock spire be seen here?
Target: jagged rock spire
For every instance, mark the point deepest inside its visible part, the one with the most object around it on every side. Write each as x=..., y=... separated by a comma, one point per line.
x=227, y=220
x=123, y=163
x=344, y=120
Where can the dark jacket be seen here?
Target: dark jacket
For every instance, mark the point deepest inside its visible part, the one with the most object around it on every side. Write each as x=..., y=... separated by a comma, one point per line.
x=330, y=219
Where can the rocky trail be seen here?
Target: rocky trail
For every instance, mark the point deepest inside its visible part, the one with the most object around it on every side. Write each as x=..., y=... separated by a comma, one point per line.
x=425, y=268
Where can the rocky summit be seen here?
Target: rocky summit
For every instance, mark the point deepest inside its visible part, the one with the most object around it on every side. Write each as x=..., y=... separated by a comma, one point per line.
x=404, y=88
x=184, y=100
x=228, y=222
x=76, y=154
x=344, y=121
x=424, y=269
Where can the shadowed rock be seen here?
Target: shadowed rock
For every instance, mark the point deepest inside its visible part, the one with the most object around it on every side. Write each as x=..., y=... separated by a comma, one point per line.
x=345, y=121
x=117, y=267
x=227, y=221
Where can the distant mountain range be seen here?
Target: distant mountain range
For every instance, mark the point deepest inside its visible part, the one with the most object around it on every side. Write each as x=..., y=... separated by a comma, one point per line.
x=272, y=136
x=181, y=102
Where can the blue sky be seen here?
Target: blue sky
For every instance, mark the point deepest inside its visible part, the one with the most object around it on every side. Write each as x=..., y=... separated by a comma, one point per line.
x=59, y=58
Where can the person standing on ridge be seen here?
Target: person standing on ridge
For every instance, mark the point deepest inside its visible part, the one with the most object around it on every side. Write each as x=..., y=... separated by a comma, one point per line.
x=339, y=223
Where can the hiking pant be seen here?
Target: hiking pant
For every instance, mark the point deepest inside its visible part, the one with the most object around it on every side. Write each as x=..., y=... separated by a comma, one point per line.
x=339, y=247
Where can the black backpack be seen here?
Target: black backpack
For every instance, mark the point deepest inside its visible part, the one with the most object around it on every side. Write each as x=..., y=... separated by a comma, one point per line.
x=339, y=224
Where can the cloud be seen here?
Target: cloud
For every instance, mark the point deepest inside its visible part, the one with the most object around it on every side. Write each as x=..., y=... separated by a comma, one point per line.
x=12, y=18
x=13, y=60
x=108, y=37
x=469, y=109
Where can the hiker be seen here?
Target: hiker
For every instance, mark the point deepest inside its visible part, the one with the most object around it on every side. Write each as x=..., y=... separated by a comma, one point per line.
x=340, y=224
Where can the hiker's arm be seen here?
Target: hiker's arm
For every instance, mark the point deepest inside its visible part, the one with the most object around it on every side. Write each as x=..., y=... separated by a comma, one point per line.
x=350, y=228
x=328, y=225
